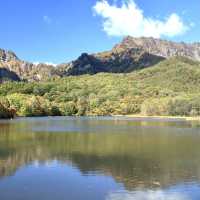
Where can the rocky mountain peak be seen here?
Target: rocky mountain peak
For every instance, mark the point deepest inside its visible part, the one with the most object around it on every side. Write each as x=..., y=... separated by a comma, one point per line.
x=161, y=47
x=7, y=56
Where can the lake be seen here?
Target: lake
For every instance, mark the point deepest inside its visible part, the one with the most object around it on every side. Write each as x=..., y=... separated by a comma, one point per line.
x=99, y=158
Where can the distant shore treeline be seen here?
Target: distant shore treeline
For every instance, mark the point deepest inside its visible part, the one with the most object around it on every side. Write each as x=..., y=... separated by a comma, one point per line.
x=170, y=88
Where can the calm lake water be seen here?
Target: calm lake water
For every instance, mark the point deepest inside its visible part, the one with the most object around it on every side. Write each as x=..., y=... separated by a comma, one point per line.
x=65, y=158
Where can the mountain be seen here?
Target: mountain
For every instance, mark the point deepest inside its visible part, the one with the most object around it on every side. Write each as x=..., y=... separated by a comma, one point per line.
x=22, y=69
x=112, y=62
x=161, y=48
x=129, y=55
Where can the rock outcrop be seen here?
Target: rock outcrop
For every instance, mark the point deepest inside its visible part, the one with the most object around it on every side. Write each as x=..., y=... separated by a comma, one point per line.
x=111, y=62
x=7, y=75
x=6, y=56
x=161, y=48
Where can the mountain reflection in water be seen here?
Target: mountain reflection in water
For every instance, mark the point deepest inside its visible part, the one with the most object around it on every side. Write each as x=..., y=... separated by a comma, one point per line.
x=128, y=159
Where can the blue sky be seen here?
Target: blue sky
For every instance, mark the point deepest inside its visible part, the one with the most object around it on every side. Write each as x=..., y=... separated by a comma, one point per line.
x=60, y=30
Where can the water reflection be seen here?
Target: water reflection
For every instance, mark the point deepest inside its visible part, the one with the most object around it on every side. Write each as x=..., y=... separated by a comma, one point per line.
x=128, y=160
x=149, y=195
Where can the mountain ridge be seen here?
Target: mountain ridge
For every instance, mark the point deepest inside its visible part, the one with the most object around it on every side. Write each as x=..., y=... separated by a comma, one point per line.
x=129, y=55
x=161, y=47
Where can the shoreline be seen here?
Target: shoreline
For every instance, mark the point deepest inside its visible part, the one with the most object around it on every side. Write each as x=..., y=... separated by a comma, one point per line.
x=160, y=117
x=136, y=117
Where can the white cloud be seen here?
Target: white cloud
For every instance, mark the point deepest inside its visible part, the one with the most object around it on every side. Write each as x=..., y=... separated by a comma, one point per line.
x=50, y=63
x=129, y=19
x=47, y=19
x=148, y=195
x=46, y=63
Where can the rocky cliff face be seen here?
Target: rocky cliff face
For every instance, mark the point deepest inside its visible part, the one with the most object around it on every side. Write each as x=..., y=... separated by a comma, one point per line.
x=111, y=62
x=29, y=71
x=7, y=75
x=23, y=70
x=6, y=56
x=129, y=55
x=161, y=48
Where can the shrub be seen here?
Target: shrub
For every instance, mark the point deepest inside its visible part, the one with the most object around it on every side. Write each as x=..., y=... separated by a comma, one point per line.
x=68, y=109
x=155, y=107
x=180, y=106
x=5, y=110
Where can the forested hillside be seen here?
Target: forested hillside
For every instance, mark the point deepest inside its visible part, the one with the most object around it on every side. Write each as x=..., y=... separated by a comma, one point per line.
x=171, y=87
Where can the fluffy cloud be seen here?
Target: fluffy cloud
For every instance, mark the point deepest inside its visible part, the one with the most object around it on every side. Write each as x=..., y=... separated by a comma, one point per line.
x=129, y=19
x=46, y=63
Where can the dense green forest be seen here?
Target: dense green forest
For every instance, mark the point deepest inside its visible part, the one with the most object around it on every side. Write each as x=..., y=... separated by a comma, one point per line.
x=171, y=87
